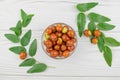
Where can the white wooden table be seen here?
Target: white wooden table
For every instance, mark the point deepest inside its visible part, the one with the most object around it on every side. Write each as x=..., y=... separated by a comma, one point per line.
x=87, y=63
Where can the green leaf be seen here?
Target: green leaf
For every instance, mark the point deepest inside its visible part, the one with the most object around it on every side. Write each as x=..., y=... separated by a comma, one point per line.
x=17, y=29
x=13, y=38
x=111, y=42
x=91, y=26
x=97, y=17
x=13, y=29
x=105, y=26
x=33, y=48
x=83, y=7
x=19, y=25
x=81, y=21
x=101, y=43
x=27, y=20
x=17, y=32
x=37, y=68
x=26, y=38
x=27, y=62
x=108, y=55
x=17, y=49
x=23, y=14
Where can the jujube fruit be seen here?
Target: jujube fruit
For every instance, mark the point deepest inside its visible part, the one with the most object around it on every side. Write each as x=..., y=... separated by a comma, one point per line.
x=53, y=28
x=54, y=43
x=23, y=55
x=48, y=43
x=48, y=31
x=54, y=53
x=73, y=39
x=65, y=37
x=94, y=40
x=97, y=33
x=49, y=49
x=59, y=34
x=63, y=47
x=71, y=33
x=47, y=36
x=59, y=27
x=66, y=53
x=53, y=37
x=59, y=41
x=60, y=53
x=87, y=33
x=69, y=43
x=65, y=29
x=71, y=48
x=57, y=47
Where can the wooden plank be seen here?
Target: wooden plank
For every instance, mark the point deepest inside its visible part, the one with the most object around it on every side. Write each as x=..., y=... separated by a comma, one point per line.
x=56, y=78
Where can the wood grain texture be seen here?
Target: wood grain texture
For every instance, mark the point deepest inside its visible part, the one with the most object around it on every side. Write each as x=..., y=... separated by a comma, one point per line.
x=56, y=78
x=86, y=62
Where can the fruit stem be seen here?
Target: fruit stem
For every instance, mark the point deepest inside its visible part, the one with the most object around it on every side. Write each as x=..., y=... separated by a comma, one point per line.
x=51, y=67
x=37, y=62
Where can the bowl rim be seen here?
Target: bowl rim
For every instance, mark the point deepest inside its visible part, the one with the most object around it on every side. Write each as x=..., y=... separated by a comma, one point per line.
x=43, y=46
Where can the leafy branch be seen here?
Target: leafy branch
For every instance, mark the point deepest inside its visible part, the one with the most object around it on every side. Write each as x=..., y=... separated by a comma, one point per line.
x=97, y=24
x=24, y=41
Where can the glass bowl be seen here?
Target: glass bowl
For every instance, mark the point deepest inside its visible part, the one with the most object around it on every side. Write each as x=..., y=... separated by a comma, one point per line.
x=60, y=53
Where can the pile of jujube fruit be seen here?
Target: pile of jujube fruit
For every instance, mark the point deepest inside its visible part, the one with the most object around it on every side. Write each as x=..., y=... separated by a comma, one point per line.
x=60, y=40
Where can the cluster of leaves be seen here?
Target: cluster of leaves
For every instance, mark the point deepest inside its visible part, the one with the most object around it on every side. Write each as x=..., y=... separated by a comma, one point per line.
x=24, y=41
x=97, y=21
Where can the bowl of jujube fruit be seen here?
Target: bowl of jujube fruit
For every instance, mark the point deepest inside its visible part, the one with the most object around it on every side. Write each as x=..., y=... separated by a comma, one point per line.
x=59, y=40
